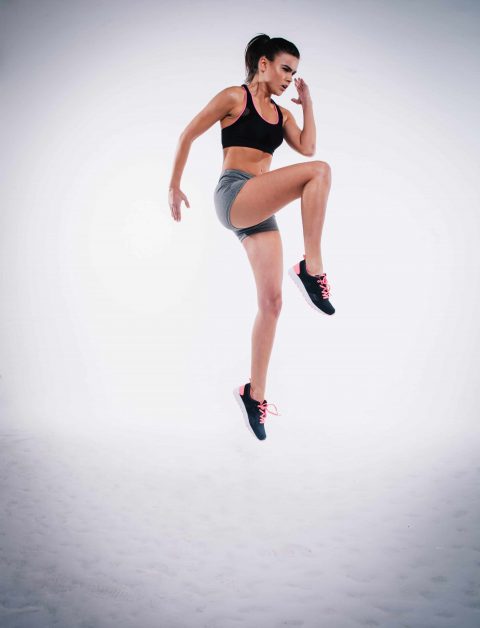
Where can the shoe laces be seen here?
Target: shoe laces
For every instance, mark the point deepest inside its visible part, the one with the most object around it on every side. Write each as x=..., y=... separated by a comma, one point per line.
x=322, y=282
x=263, y=407
x=324, y=286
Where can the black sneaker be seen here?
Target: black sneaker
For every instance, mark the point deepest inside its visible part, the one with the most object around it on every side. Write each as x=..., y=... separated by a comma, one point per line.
x=253, y=411
x=314, y=288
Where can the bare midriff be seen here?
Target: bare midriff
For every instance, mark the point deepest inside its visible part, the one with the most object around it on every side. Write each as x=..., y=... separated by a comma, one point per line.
x=250, y=160
x=244, y=158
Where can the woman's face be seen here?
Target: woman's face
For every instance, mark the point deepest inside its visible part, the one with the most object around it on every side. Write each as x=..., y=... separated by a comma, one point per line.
x=279, y=72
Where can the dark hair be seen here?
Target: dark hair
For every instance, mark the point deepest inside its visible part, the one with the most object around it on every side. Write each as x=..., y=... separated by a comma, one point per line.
x=262, y=45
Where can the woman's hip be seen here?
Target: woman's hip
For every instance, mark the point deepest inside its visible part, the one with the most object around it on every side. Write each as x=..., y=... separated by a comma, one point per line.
x=229, y=185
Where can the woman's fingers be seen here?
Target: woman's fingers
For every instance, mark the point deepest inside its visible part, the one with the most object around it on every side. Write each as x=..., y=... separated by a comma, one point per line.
x=175, y=204
x=174, y=210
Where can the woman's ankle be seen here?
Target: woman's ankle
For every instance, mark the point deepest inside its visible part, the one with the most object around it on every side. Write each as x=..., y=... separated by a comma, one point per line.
x=314, y=268
x=254, y=394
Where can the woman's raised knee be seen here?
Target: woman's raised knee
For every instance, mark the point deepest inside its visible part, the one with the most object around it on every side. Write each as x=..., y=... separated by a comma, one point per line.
x=321, y=169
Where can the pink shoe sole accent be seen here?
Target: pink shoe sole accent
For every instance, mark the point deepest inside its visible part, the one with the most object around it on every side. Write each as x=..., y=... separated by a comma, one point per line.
x=296, y=268
x=241, y=390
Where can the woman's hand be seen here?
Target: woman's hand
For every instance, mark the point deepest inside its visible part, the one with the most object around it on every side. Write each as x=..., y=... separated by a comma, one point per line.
x=175, y=198
x=303, y=92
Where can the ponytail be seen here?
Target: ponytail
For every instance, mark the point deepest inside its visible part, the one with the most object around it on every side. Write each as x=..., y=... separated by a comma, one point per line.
x=262, y=45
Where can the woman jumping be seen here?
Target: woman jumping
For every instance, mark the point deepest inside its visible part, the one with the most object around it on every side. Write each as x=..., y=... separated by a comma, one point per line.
x=248, y=194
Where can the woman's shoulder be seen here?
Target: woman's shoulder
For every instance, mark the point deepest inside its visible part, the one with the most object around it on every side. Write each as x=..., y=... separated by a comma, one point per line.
x=236, y=91
x=235, y=95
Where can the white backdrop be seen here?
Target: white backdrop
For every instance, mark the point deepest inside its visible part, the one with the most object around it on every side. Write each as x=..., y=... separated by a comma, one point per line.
x=134, y=494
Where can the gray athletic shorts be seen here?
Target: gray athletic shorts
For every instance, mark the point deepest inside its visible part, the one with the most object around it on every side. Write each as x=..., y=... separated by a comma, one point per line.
x=229, y=185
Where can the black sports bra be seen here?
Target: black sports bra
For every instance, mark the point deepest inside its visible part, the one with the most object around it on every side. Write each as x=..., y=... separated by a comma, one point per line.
x=252, y=130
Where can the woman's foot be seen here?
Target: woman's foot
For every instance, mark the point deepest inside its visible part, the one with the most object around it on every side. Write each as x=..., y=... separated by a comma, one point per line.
x=253, y=411
x=314, y=288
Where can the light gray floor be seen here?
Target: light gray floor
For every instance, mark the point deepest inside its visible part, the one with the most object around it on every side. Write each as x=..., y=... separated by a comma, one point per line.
x=134, y=528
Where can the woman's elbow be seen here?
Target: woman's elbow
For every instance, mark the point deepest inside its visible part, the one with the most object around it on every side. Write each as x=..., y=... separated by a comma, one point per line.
x=187, y=136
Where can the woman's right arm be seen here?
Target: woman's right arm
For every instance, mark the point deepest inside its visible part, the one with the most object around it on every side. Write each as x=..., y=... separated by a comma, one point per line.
x=214, y=111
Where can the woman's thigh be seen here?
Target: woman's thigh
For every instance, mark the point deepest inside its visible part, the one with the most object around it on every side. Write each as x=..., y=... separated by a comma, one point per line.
x=265, y=253
x=262, y=196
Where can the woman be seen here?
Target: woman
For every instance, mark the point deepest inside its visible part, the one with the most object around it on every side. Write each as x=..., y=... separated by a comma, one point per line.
x=248, y=194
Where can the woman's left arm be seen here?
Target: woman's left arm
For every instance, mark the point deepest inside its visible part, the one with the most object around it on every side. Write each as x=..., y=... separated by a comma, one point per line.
x=308, y=136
